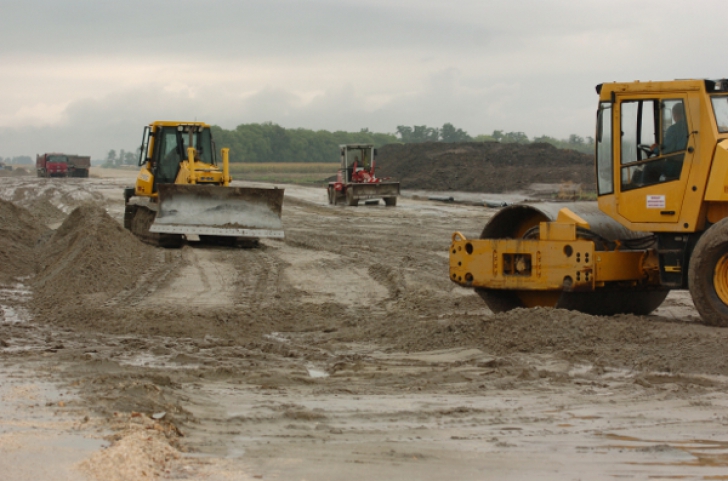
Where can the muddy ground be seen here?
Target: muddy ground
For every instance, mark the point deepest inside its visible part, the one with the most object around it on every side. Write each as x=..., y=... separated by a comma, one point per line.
x=343, y=352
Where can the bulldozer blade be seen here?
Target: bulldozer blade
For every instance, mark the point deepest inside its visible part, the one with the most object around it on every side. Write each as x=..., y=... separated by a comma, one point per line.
x=374, y=190
x=248, y=212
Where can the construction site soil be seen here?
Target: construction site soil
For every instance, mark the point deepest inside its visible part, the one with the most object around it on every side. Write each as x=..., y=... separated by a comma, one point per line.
x=490, y=167
x=343, y=352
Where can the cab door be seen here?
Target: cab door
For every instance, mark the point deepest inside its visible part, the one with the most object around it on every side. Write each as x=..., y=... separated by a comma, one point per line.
x=650, y=169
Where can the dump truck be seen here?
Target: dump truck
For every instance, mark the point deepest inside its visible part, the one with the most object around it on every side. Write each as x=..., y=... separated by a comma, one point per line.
x=660, y=221
x=356, y=179
x=182, y=194
x=62, y=165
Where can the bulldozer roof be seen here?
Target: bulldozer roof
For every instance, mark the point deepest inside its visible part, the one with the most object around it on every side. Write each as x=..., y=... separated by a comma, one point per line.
x=356, y=146
x=174, y=123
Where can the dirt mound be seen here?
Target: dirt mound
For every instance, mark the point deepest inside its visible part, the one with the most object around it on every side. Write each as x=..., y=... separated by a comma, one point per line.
x=45, y=212
x=483, y=167
x=19, y=233
x=645, y=343
x=89, y=258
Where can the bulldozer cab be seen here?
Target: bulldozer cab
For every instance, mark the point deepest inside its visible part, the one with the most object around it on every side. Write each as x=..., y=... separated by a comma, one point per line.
x=360, y=154
x=168, y=146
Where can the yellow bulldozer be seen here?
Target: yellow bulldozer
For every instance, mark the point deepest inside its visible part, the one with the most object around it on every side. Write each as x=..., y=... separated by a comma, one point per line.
x=660, y=223
x=181, y=193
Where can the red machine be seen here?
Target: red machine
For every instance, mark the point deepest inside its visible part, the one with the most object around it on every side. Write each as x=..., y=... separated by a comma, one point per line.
x=62, y=165
x=356, y=180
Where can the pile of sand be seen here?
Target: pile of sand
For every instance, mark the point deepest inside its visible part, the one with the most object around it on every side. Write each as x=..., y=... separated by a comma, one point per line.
x=483, y=167
x=646, y=343
x=45, y=212
x=90, y=258
x=20, y=231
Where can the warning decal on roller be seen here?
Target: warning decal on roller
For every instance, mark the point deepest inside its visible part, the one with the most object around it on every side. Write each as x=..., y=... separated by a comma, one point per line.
x=655, y=201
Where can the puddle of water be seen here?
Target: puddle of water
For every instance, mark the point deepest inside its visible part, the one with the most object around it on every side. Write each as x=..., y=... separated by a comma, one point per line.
x=14, y=316
x=276, y=336
x=580, y=369
x=315, y=373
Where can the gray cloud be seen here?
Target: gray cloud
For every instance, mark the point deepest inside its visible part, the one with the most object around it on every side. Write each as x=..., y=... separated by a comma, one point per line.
x=86, y=76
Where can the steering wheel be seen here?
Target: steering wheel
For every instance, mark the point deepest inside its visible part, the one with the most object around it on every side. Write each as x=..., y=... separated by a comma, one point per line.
x=647, y=149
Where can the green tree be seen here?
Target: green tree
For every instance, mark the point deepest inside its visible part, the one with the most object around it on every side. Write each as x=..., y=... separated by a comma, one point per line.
x=515, y=137
x=576, y=139
x=450, y=134
x=483, y=138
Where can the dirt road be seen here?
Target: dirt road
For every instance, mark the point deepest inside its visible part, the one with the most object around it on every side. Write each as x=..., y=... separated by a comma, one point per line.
x=343, y=352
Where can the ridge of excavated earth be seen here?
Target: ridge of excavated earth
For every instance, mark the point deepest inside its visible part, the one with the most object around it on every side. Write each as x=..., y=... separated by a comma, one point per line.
x=490, y=167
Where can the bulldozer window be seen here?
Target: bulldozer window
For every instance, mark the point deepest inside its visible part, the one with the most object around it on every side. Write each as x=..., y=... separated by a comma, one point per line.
x=654, y=137
x=168, y=155
x=202, y=141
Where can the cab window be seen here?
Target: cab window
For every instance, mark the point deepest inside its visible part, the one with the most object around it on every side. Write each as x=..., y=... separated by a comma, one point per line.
x=605, y=181
x=720, y=109
x=654, y=139
x=168, y=156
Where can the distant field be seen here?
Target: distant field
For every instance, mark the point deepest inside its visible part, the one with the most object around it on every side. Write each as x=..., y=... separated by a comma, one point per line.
x=287, y=172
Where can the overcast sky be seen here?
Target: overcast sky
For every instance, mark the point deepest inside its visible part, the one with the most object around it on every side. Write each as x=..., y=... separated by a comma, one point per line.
x=86, y=76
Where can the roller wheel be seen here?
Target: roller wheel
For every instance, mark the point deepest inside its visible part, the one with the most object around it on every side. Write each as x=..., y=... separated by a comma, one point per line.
x=608, y=302
x=603, y=302
x=390, y=201
x=708, y=275
x=350, y=200
x=142, y=220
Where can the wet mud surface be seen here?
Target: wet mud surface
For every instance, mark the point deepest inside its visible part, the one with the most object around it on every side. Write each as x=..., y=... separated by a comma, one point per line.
x=343, y=352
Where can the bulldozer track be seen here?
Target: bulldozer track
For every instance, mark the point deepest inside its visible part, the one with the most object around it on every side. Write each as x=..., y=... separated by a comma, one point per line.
x=139, y=219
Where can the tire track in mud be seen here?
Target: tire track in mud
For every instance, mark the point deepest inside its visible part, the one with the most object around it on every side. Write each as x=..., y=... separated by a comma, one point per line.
x=259, y=279
x=153, y=279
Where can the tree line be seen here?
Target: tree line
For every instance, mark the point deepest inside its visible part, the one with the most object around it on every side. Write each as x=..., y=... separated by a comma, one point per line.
x=269, y=142
x=122, y=158
x=17, y=160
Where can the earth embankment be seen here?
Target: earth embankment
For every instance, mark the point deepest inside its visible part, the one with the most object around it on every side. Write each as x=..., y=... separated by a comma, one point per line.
x=483, y=166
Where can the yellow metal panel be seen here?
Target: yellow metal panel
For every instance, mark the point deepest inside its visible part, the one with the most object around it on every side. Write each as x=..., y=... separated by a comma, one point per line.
x=550, y=265
x=618, y=266
x=717, y=211
x=717, y=189
x=144, y=182
x=523, y=264
x=568, y=216
x=557, y=231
